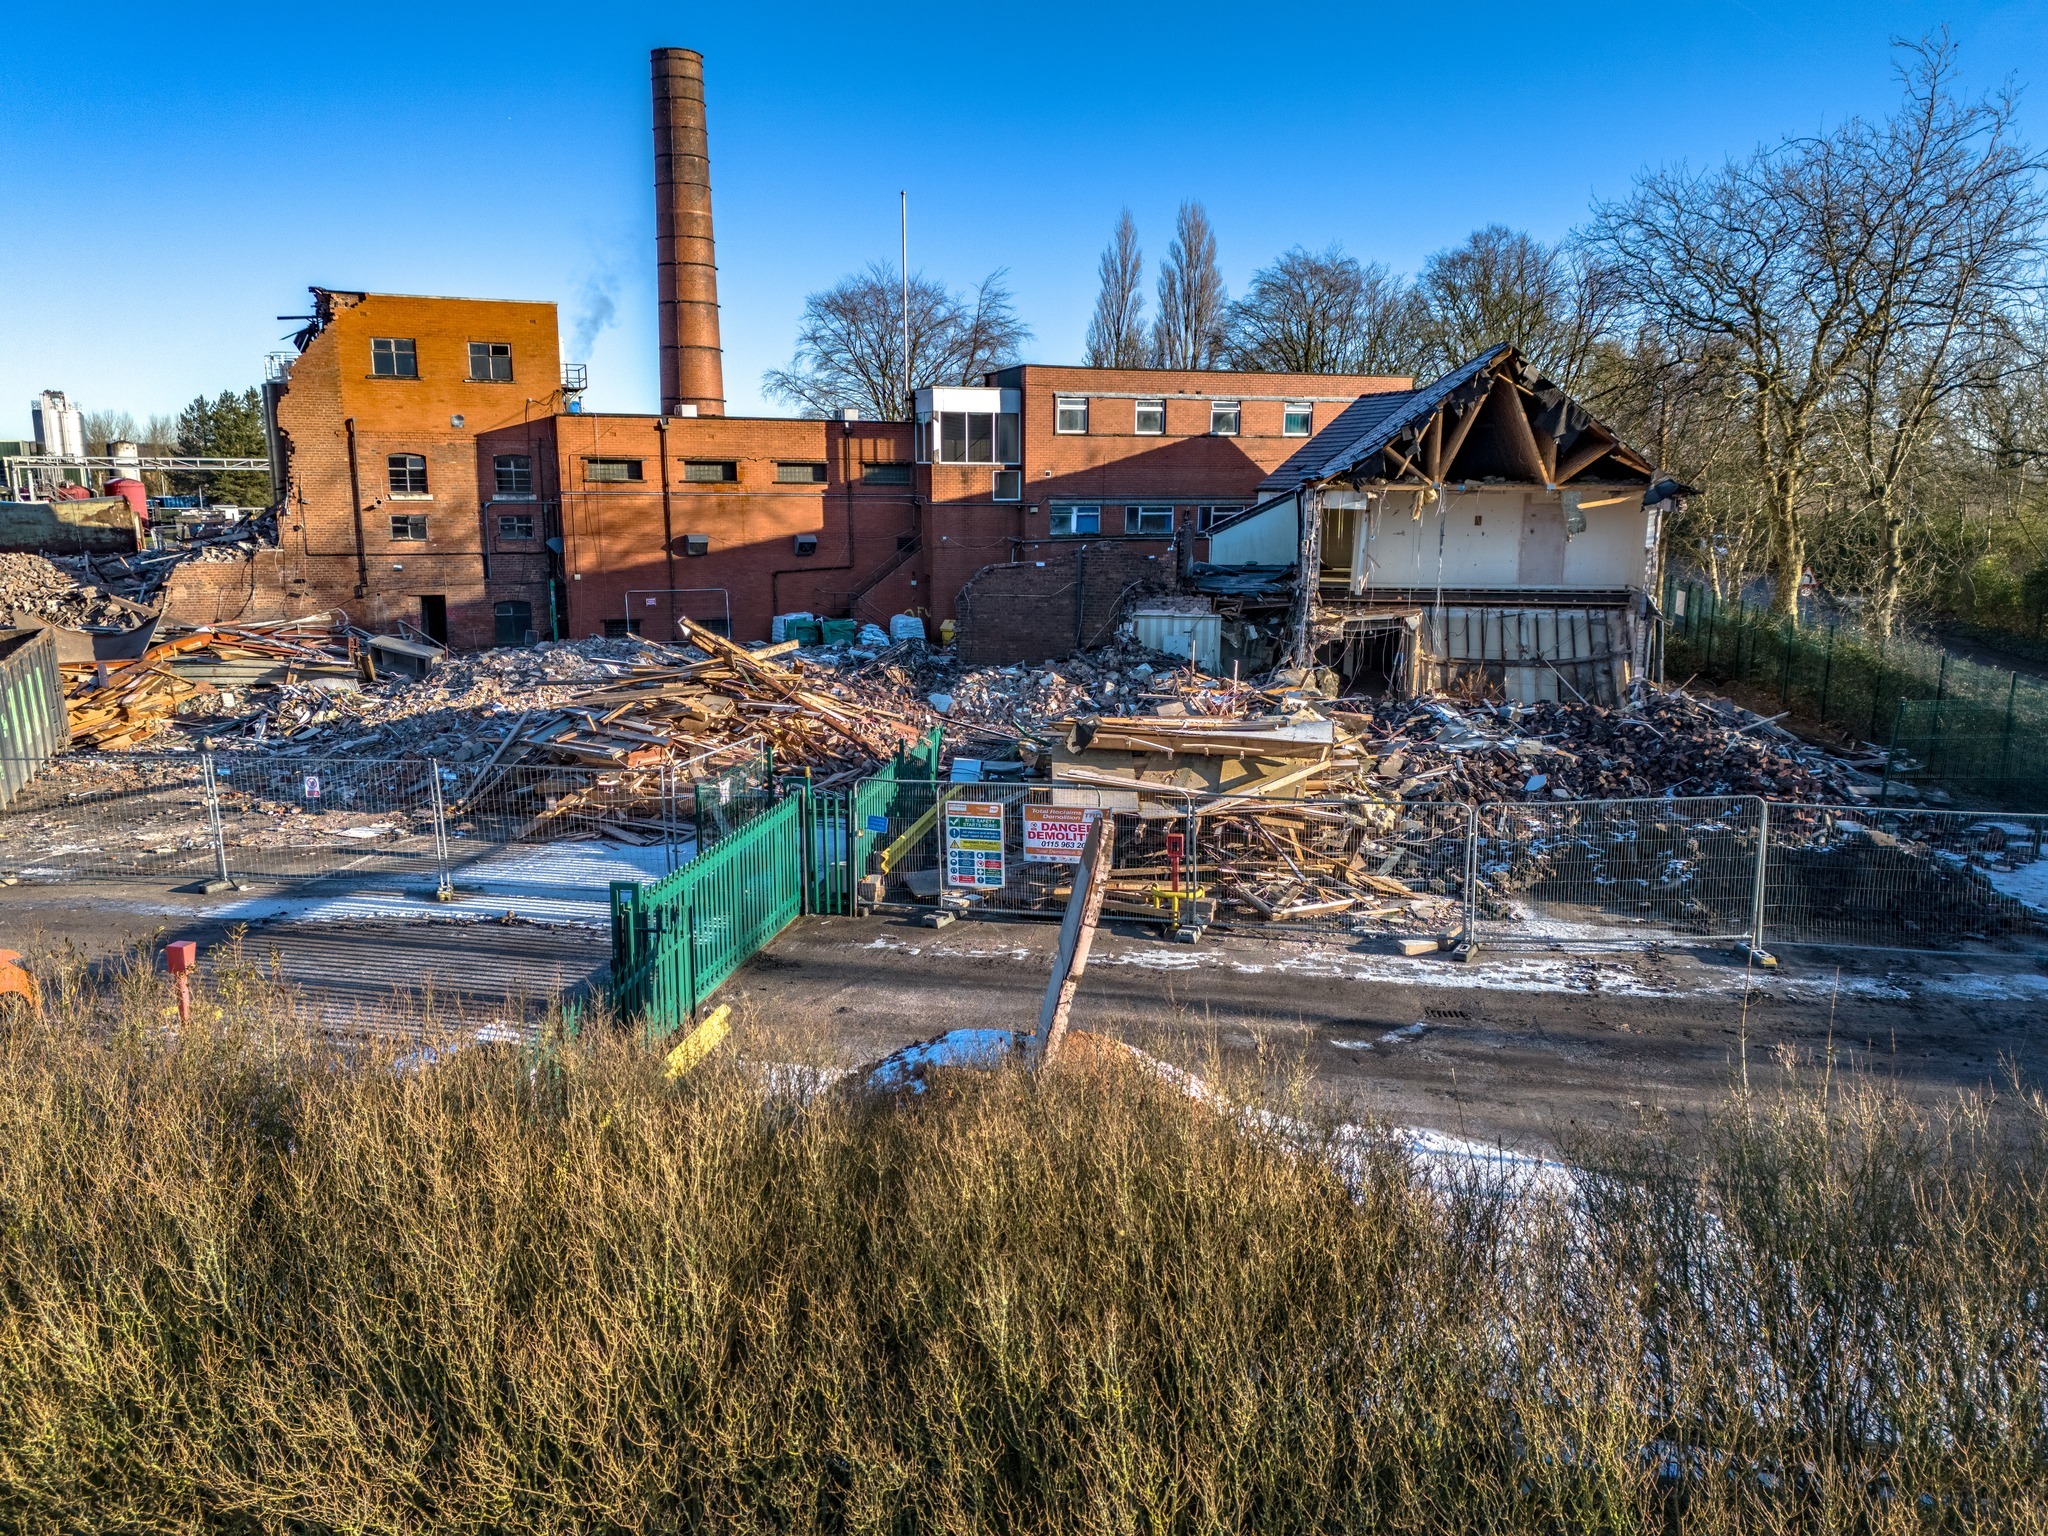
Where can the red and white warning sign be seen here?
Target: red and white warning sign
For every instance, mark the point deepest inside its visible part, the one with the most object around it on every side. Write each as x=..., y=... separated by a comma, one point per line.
x=1056, y=834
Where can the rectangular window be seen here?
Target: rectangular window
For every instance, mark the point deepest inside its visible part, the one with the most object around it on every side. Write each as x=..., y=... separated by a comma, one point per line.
x=710, y=471
x=1006, y=439
x=490, y=362
x=967, y=437
x=1151, y=420
x=513, y=474
x=799, y=474
x=1296, y=419
x=618, y=629
x=1070, y=413
x=1076, y=522
x=597, y=471
x=1148, y=520
x=1223, y=417
x=885, y=474
x=515, y=525
x=409, y=526
x=393, y=357
x=1008, y=485
x=1208, y=517
x=407, y=473
x=513, y=620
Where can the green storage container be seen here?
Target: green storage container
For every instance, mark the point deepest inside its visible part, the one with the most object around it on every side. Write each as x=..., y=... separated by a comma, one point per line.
x=841, y=631
x=804, y=631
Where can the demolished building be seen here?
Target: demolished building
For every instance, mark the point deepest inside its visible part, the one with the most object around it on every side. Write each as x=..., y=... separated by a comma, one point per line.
x=1485, y=533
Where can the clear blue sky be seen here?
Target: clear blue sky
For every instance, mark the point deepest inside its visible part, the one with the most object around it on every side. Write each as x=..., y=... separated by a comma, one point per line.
x=179, y=175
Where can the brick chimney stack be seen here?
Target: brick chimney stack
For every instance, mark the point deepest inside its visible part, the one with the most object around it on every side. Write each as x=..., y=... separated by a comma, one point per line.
x=692, y=377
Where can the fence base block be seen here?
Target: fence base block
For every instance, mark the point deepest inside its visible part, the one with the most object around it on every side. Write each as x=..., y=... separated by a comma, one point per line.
x=1756, y=956
x=938, y=919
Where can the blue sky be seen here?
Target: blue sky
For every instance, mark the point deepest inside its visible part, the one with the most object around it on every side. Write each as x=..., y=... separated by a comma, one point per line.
x=181, y=174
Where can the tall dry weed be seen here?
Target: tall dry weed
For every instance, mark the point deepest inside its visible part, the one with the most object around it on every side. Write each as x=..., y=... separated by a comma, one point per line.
x=256, y=1282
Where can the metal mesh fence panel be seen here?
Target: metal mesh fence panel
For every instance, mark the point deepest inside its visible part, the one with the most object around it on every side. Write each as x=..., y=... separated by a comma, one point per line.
x=1602, y=871
x=1982, y=748
x=310, y=818
x=112, y=817
x=1178, y=860
x=722, y=802
x=1944, y=881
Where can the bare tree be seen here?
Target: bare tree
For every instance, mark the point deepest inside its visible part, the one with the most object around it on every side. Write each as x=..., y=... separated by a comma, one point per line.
x=1958, y=229
x=1553, y=304
x=1324, y=312
x=849, y=346
x=1116, y=335
x=1816, y=259
x=104, y=427
x=1188, y=332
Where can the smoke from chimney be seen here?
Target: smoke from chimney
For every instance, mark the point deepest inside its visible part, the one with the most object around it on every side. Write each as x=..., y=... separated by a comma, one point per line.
x=686, y=268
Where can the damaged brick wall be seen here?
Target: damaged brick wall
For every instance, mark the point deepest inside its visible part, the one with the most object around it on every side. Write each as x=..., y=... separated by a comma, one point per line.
x=1065, y=597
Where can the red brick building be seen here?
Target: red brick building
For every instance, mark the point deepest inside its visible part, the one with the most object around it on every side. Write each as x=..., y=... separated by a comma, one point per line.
x=379, y=418
x=439, y=476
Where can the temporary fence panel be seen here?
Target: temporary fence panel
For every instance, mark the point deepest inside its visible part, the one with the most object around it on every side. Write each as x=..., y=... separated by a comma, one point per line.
x=675, y=941
x=123, y=817
x=1599, y=871
x=311, y=818
x=1878, y=878
x=724, y=802
x=35, y=725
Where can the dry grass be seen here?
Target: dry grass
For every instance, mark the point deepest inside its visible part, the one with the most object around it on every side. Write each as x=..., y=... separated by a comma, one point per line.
x=252, y=1283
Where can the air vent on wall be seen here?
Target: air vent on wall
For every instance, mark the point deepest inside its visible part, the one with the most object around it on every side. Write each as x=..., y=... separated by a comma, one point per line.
x=807, y=543
x=696, y=543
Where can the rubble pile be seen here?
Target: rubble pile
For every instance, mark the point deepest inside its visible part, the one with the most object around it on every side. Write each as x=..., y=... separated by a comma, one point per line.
x=113, y=705
x=34, y=590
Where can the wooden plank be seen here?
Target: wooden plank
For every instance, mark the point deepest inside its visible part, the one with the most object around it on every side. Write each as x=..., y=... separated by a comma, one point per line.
x=1077, y=936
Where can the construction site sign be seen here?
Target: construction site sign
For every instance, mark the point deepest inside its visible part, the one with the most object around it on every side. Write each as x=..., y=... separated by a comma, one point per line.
x=974, y=844
x=1056, y=834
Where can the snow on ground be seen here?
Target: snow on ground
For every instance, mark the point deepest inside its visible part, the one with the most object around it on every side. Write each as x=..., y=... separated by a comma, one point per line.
x=2027, y=884
x=568, y=882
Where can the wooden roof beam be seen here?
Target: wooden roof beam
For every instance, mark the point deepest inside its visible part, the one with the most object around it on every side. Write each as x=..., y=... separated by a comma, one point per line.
x=1460, y=430
x=1433, y=447
x=1593, y=445
x=1521, y=436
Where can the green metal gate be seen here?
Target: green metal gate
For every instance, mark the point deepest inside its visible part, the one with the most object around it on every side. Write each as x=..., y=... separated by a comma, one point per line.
x=675, y=941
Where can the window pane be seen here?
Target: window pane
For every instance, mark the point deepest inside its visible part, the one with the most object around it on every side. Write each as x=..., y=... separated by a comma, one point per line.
x=1223, y=417
x=800, y=474
x=885, y=474
x=1006, y=438
x=1151, y=417
x=1295, y=420
x=1071, y=415
x=514, y=474
x=709, y=471
x=952, y=437
x=981, y=438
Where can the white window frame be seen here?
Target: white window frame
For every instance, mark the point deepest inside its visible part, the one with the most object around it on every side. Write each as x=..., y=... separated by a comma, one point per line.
x=1061, y=405
x=1138, y=418
x=1306, y=410
x=1217, y=415
x=1137, y=516
x=1068, y=515
x=1208, y=517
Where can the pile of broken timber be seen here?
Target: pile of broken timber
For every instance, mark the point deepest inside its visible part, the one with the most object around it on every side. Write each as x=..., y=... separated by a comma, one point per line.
x=1262, y=843
x=114, y=705
x=697, y=710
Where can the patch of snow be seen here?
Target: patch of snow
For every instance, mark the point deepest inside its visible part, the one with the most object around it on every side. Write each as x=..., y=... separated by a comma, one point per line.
x=955, y=1048
x=2027, y=884
x=1405, y=1032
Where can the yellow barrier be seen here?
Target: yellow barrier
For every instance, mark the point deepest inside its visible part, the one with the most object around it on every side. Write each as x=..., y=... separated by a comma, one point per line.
x=701, y=1041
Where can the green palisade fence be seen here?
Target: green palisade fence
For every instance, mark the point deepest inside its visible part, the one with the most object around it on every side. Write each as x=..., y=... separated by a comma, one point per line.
x=675, y=941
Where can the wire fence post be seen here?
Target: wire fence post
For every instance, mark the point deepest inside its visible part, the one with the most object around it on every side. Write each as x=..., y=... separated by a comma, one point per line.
x=445, y=889
x=213, y=822
x=1471, y=944
x=668, y=817
x=1763, y=862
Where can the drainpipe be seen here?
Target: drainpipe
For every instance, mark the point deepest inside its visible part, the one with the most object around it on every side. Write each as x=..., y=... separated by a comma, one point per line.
x=668, y=529
x=355, y=502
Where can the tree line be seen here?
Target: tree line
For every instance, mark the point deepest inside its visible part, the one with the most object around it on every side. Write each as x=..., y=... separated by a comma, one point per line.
x=1838, y=338
x=229, y=426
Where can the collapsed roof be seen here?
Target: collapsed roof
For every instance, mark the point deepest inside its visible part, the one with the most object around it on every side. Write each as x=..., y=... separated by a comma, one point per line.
x=1495, y=418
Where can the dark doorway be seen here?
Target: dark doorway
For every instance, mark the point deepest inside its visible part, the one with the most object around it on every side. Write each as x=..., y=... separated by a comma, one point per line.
x=434, y=618
x=1365, y=661
x=514, y=620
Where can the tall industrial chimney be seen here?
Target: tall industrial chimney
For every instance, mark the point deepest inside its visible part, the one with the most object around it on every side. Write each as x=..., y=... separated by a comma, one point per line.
x=692, y=379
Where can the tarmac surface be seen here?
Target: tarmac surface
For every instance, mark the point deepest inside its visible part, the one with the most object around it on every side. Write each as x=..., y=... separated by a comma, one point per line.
x=1520, y=1047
